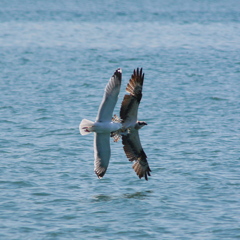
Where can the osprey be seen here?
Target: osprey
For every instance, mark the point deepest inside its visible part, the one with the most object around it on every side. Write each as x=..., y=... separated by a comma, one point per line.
x=130, y=125
x=103, y=125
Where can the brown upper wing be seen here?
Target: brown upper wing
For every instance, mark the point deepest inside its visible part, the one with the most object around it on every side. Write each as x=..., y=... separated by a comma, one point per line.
x=130, y=103
x=134, y=152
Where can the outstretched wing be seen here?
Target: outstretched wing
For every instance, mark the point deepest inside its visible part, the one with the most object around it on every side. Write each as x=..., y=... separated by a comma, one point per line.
x=110, y=97
x=102, y=153
x=134, y=152
x=130, y=103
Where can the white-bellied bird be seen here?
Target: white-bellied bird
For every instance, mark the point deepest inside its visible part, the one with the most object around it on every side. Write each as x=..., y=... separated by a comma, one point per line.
x=103, y=125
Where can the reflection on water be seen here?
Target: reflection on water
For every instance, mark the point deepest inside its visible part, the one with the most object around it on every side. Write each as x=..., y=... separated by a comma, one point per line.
x=136, y=195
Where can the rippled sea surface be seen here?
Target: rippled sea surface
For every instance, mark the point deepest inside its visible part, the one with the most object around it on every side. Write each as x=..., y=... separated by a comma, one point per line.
x=55, y=60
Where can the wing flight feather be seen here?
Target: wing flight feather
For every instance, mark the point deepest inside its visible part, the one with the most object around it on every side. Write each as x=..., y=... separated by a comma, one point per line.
x=134, y=152
x=130, y=103
x=110, y=97
x=102, y=153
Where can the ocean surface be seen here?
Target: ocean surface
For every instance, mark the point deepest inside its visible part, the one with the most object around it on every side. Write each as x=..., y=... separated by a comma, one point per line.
x=55, y=60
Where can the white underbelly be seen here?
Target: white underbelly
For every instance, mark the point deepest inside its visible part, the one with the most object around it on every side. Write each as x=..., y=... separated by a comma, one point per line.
x=106, y=127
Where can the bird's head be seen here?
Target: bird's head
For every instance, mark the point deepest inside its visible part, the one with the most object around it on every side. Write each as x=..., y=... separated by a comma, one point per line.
x=140, y=124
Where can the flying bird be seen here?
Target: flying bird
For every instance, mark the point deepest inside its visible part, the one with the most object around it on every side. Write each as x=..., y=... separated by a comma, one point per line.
x=130, y=125
x=103, y=125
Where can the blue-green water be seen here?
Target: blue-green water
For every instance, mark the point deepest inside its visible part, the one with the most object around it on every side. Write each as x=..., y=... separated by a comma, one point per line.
x=55, y=60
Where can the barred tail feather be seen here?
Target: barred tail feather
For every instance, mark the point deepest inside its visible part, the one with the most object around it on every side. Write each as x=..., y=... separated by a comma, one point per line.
x=86, y=126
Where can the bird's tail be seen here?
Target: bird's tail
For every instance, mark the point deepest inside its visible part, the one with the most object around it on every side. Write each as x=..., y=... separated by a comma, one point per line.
x=86, y=127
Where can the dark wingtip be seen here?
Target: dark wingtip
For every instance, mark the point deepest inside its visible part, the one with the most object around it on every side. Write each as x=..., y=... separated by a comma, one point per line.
x=100, y=175
x=118, y=72
x=139, y=73
x=147, y=173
